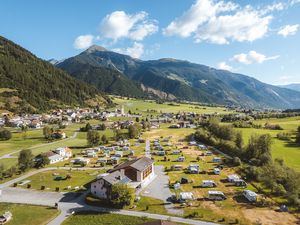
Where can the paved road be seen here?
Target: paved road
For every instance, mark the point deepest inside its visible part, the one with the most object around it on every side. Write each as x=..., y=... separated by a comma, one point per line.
x=147, y=149
x=159, y=188
x=11, y=154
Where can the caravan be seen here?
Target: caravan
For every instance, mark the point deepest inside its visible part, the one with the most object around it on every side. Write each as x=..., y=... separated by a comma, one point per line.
x=208, y=183
x=216, y=196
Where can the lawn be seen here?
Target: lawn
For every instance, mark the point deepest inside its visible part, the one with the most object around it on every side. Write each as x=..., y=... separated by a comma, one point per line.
x=19, y=141
x=28, y=214
x=50, y=179
x=90, y=218
x=141, y=106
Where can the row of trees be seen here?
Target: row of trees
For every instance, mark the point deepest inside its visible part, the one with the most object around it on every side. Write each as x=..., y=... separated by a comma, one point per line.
x=25, y=162
x=257, y=154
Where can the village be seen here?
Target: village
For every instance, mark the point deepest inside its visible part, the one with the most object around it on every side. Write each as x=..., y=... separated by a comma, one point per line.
x=162, y=161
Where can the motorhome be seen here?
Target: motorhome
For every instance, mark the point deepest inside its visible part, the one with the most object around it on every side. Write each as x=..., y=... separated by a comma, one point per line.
x=216, y=195
x=208, y=183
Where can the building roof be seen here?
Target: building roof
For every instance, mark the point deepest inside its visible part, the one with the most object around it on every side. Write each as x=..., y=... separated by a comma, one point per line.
x=116, y=178
x=159, y=222
x=139, y=164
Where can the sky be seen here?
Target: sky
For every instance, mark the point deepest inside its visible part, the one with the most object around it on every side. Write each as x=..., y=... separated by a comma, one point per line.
x=258, y=38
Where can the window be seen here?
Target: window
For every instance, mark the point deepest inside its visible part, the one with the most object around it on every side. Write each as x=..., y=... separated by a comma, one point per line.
x=147, y=171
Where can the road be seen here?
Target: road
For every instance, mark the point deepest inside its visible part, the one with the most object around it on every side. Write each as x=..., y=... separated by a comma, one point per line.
x=159, y=189
x=11, y=154
x=147, y=149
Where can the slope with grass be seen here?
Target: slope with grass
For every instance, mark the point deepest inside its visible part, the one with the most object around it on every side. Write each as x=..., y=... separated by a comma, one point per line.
x=28, y=214
x=30, y=84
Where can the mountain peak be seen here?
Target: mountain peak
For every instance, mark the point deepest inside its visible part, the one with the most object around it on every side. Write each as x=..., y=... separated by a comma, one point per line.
x=96, y=48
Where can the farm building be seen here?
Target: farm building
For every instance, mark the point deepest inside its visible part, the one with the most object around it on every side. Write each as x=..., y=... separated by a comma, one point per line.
x=136, y=173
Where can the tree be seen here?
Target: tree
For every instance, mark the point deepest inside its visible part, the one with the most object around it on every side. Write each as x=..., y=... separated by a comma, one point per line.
x=134, y=131
x=298, y=136
x=42, y=161
x=239, y=140
x=104, y=139
x=5, y=135
x=102, y=126
x=47, y=132
x=25, y=160
x=93, y=138
x=122, y=195
x=259, y=149
x=24, y=129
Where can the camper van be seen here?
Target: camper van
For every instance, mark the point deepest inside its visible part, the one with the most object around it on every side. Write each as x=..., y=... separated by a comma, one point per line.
x=208, y=183
x=250, y=195
x=216, y=160
x=217, y=171
x=232, y=178
x=180, y=159
x=194, y=169
x=177, y=167
x=216, y=195
x=240, y=183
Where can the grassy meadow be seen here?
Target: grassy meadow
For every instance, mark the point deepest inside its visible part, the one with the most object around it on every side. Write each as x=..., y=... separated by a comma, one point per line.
x=28, y=214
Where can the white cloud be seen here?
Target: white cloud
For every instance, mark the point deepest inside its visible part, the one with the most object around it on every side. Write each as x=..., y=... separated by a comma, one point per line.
x=253, y=57
x=221, y=22
x=288, y=30
x=119, y=25
x=83, y=41
x=136, y=51
x=224, y=66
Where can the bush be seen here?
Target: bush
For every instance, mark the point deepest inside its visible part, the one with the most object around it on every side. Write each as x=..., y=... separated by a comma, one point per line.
x=236, y=161
x=5, y=135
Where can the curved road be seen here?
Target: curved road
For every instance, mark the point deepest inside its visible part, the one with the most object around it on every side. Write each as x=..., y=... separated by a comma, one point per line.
x=11, y=154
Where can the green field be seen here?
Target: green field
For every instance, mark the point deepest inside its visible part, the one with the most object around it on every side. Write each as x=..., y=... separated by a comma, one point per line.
x=141, y=106
x=28, y=214
x=281, y=149
x=47, y=179
x=90, y=218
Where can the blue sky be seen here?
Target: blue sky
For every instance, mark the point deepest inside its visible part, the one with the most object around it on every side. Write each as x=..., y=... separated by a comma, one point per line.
x=256, y=38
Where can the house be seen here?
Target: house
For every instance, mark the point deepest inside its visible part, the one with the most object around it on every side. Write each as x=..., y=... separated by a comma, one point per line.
x=137, y=173
x=250, y=195
x=65, y=152
x=193, y=168
x=54, y=157
x=216, y=195
x=208, y=183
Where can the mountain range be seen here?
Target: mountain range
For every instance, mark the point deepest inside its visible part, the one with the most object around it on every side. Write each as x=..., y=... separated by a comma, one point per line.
x=174, y=79
x=295, y=86
x=29, y=84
